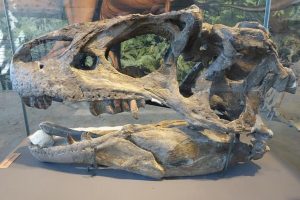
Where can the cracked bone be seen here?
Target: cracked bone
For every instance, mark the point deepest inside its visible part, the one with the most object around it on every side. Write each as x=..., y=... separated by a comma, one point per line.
x=224, y=93
x=134, y=109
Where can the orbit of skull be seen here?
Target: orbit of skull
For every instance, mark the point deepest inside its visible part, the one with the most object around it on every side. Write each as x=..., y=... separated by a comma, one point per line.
x=219, y=99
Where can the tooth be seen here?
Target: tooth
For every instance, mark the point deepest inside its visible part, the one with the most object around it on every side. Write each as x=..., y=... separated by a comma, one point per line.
x=96, y=108
x=38, y=103
x=117, y=106
x=134, y=109
x=70, y=140
x=109, y=109
x=41, y=102
x=32, y=101
x=125, y=106
x=29, y=101
x=48, y=101
x=141, y=103
x=108, y=106
x=86, y=136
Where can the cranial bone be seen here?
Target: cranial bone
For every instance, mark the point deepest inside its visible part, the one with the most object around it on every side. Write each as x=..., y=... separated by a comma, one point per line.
x=240, y=65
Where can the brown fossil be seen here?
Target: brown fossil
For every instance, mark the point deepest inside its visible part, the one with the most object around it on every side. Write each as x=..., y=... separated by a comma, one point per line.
x=239, y=65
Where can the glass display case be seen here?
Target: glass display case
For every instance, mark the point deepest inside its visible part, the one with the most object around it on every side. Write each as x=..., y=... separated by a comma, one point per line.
x=140, y=55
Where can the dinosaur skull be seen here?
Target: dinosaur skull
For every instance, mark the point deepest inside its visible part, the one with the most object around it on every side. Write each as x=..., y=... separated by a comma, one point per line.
x=239, y=64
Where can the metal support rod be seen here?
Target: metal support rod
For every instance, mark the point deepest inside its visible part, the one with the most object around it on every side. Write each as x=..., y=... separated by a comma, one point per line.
x=267, y=14
x=12, y=45
x=25, y=118
x=229, y=152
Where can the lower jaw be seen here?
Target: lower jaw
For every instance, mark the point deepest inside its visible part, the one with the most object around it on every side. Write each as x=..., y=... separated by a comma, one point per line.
x=172, y=146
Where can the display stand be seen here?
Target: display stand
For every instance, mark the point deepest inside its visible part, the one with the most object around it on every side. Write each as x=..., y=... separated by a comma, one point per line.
x=28, y=178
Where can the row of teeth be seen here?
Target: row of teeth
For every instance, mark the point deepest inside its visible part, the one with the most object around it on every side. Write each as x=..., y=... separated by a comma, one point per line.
x=117, y=106
x=96, y=107
x=84, y=136
x=41, y=102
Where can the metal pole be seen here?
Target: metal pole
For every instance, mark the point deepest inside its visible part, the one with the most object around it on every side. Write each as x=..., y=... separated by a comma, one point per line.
x=266, y=25
x=12, y=45
x=267, y=14
x=230, y=148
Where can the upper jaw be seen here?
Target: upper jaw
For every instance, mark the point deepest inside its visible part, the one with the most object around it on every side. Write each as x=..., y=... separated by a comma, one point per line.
x=40, y=82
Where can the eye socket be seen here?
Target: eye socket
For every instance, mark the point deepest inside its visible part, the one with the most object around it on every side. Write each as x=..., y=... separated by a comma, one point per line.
x=85, y=61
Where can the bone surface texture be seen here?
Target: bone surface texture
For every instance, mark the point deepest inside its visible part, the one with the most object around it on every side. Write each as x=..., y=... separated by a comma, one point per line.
x=219, y=100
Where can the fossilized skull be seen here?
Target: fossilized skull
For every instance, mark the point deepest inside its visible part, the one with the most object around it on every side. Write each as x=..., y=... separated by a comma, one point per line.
x=239, y=65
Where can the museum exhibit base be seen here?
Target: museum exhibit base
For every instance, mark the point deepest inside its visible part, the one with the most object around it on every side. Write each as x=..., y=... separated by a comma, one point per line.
x=27, y=178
